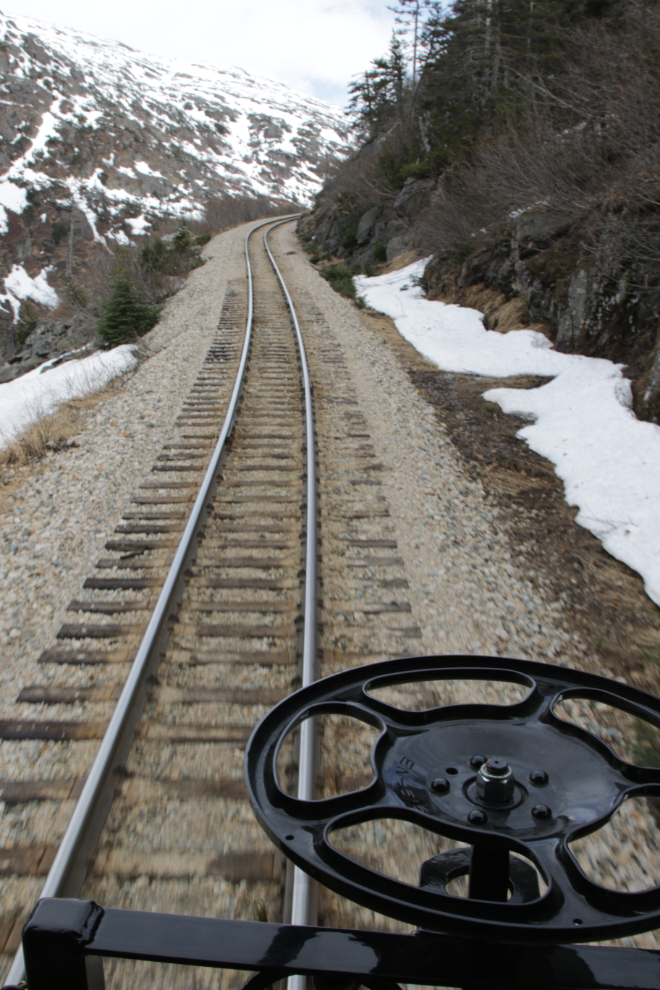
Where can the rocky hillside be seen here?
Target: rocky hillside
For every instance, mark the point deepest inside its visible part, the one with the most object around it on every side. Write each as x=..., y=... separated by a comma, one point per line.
x=100, y=144
x=571, y=281
x=522, y=152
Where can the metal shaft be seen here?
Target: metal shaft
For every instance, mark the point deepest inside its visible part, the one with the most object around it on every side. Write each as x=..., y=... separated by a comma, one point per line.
x=489, y=873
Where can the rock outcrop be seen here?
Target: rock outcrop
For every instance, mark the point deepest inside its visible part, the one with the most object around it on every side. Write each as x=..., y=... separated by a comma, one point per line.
x=579, y=289
x=68, y=338
x=574, y=282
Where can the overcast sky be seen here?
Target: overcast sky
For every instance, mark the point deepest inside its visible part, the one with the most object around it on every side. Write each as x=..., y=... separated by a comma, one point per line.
x=313, y=45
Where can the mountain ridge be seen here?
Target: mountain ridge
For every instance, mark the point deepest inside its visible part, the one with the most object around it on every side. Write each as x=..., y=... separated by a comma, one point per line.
x=100, y=143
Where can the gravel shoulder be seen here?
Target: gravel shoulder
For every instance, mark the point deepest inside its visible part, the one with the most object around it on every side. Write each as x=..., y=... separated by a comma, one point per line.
x=57, y=513
x=613, y=625
x=472, y=591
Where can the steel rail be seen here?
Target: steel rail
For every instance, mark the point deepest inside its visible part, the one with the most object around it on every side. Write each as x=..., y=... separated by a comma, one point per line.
x=302, y=884
x=67, y=873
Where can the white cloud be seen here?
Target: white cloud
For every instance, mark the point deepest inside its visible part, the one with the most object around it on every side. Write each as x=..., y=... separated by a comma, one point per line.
x=312, y=45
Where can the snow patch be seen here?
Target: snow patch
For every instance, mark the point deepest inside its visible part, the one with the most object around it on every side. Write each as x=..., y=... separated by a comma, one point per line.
x=120, y=237
x=143, y=167
x=608, y=460
x=19, y=286
x=138, y=224
x=35, y=394
x=12, y=197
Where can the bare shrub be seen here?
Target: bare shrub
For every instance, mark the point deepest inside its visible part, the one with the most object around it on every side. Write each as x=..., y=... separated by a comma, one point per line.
x=518, y=170
x=220, y=213
x=371, y=177
x=588, y=145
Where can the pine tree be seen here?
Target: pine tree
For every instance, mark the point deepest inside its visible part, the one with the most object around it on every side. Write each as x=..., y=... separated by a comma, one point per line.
x=378, y=96
x=127, y=314
x=455, y=74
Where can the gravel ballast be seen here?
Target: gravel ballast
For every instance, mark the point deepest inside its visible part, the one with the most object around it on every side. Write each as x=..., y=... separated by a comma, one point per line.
x=61, y=511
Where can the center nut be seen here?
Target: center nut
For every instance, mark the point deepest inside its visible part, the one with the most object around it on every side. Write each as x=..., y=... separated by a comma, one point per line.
x=495, y=781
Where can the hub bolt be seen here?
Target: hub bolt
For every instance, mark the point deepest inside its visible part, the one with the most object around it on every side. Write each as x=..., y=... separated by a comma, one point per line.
x=495, y=781
x=541, y=811
x=440, y=785
x=538, y=777
x=477, y=817
x=497, y=767
x=477, y=761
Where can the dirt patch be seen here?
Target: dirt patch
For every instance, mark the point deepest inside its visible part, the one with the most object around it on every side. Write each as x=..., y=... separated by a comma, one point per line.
x=401, y=261
x=604, y=601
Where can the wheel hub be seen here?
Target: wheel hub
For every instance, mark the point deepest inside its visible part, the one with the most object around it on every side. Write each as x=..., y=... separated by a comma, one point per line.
x=575, y=789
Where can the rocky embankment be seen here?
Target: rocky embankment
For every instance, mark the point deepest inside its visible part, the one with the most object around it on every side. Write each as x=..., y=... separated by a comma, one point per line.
x=72, y=337
x=572, y=281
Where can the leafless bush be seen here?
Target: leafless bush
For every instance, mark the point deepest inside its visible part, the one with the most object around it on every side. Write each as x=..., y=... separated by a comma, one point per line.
x=589, y=146
x=368, y=178
x=230, y=211
x=519, y=170
x=95, y=283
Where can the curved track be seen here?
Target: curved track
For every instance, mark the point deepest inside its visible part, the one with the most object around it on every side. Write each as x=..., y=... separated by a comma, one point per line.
x=232, y=631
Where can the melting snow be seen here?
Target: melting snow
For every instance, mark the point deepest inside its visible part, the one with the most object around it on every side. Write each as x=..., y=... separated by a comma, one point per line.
x=37, y=393
x=608, y=460
x=138, y=224
x=19, y=286
x=12, y=197
x=144, y=168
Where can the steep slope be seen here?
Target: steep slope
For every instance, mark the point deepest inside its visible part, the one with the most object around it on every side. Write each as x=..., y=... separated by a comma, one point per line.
x=120, y=140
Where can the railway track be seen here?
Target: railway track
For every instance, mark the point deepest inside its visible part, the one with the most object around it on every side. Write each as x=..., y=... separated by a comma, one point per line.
x=201, y=616
x=172, y=684
x=128, y=751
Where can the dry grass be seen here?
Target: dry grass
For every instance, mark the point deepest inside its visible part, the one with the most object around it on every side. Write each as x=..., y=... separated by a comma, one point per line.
x=47, y=435
x=51, y=431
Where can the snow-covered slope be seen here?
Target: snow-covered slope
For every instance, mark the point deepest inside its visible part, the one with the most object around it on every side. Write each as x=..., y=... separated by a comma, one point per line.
x=122, y=140
x=138, y=127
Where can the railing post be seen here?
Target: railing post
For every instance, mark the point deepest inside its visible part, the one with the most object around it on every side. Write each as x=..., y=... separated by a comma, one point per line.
x=54, y=941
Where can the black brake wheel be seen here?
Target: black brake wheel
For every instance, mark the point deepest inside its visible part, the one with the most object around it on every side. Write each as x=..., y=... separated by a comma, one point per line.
x=554, y=782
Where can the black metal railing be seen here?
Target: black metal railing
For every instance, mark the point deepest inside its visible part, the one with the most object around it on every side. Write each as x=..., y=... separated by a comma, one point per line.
x=65, y=940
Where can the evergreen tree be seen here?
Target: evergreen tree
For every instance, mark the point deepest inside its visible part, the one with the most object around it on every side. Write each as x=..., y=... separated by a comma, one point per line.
x=410, y=16
x=456, y=74
x=378, y=96
x=484, y=60
x=127, y=314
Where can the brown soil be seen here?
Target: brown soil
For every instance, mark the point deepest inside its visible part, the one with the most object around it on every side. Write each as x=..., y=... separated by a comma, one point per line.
x=604, y=601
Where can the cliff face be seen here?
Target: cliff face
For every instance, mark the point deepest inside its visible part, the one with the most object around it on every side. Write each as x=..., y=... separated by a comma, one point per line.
x=575, y=282
x=572, y=283
x=100, y=144
x=364, y=229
